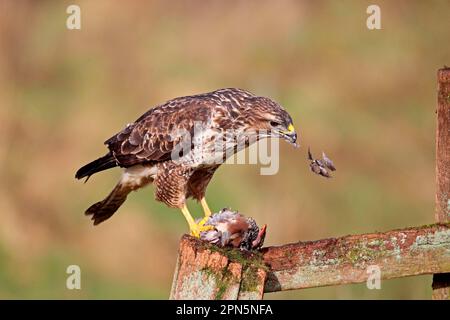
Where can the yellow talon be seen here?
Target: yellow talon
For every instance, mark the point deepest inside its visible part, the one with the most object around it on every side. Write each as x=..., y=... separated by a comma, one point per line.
x=203, y=221
x=200, y=227
x=196, y=228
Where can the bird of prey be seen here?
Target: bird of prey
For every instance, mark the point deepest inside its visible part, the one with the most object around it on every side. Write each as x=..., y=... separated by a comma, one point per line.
x=320, y=166
x=232, y=229
x=151, y=149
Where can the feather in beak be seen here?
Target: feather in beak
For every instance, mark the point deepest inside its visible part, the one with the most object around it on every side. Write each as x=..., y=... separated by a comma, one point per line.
x=321, y=166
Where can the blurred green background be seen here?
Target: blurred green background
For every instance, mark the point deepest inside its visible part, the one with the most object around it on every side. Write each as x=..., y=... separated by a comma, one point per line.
x=365, y=97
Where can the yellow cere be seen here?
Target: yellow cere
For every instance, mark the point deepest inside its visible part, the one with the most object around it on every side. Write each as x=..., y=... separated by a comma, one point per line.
x=291, y=128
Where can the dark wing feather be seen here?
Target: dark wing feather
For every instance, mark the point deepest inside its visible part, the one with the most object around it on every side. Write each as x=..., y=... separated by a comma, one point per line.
x=149, y=138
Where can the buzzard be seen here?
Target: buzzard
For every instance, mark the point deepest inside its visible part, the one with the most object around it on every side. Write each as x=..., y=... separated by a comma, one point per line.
x=213, y=127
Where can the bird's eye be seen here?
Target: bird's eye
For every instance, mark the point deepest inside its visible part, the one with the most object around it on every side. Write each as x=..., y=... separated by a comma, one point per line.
x=275, y=124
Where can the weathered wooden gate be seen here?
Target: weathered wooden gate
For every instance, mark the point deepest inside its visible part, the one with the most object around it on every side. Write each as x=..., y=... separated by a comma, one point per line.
x=204, y=271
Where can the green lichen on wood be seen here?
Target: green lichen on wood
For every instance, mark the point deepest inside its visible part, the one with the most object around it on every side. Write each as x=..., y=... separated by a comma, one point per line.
x=221, y=279
x=250, y=261
x=250, y=279
x=377, y=248
x=244, y=258
x=369, y=250
x=224, y=279
x=363, y=254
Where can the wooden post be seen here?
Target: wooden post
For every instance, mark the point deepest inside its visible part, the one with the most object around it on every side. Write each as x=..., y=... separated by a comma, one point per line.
x=206, y=272
x=441, y=282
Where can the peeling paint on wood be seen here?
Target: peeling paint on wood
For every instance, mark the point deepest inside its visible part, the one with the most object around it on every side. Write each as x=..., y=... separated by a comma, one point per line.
x=398, y=253
x=441, y=283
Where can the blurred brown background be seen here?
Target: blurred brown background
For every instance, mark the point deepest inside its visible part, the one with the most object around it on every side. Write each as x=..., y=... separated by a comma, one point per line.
x=365, y=97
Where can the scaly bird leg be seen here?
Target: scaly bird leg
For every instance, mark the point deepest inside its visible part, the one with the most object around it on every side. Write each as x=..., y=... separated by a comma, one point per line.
x=205, y=207
x=195, y=228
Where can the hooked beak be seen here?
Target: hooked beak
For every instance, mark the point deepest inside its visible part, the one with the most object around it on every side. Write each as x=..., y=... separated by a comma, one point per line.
x=290, y=135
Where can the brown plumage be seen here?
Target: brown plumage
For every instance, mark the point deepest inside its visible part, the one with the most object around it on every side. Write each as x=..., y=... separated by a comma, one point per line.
x=172, y=145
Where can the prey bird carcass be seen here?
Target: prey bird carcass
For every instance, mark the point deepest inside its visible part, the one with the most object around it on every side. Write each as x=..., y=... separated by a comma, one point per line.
x=229, y=228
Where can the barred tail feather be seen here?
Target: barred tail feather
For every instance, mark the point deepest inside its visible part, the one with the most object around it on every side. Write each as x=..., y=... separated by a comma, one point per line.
x=104, y=209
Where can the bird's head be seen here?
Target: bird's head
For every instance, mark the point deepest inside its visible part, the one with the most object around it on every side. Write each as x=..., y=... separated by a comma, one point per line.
x=266, y=115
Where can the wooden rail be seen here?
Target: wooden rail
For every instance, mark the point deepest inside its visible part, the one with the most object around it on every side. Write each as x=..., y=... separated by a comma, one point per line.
x=399, y=253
